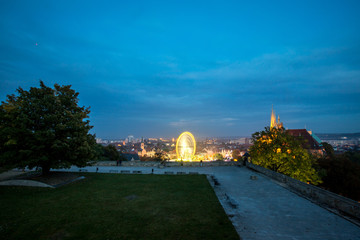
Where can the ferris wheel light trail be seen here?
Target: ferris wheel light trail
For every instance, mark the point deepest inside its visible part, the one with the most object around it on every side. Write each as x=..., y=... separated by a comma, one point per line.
x=185, y=146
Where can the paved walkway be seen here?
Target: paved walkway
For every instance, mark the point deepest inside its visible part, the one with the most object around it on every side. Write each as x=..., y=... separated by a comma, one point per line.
x=268, y=211
x=265, y=209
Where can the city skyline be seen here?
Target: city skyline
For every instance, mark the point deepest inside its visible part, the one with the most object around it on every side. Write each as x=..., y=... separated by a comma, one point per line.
x=156, y=69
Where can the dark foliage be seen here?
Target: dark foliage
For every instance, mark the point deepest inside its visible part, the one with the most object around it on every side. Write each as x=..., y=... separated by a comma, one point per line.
x=341, y=173
x=236, y=154
x=111, y=153
x=218, y=156
x=108, y=153
x=44, y=127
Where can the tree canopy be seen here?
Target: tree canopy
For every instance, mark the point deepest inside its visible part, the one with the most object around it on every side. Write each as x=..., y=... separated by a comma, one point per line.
x=278, y=151
x=109, y=152
x=236, y=154
x=218, y=156
x=329, y=150
x=44, y=127
x=342, y=176
x=341, y=172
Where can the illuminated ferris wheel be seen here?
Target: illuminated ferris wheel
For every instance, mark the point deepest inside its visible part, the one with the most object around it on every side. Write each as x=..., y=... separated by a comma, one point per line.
x=185, y=146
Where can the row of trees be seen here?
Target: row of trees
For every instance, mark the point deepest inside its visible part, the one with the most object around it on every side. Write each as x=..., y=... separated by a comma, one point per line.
x=277, y=150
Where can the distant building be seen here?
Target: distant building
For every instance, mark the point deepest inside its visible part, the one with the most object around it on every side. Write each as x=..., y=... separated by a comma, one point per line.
x=101, y=141
x=241, y=141
x=142, y=151
x=130, y=139
x=308, y=141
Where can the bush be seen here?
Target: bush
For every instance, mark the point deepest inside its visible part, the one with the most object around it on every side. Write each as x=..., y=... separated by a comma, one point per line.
x=342, y=176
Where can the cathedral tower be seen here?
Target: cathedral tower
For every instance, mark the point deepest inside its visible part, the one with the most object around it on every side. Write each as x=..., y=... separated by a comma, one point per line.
x=273, y=118
x=273, y=122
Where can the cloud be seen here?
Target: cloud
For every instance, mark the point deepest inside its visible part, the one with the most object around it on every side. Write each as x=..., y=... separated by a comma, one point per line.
x=323, y=65
x=131, y=81
x=317, y=72
x=230, y=119
x=180, y=123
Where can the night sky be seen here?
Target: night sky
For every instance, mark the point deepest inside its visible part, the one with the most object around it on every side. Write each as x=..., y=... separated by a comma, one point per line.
x=215, y=68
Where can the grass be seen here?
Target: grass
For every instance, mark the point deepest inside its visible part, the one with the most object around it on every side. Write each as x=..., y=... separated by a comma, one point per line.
x=116, y=206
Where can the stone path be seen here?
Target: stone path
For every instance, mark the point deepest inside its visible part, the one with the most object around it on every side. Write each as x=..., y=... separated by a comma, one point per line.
x=261, y=208
x=268, y=211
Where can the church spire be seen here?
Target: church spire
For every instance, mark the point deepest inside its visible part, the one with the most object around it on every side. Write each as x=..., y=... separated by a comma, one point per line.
x=273, y=118
x=273, y=122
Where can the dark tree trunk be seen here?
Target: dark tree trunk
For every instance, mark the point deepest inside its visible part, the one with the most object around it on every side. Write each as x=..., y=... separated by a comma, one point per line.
x=45, y=170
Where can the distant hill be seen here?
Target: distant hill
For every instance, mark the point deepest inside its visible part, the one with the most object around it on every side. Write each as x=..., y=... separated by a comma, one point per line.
x=338, y=136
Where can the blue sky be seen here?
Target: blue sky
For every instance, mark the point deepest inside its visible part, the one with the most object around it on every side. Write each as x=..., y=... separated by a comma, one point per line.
x=157, y=68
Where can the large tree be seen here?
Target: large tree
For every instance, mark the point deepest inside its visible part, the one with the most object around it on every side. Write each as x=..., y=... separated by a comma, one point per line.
x=279, y=151
x=44, y=127
x=236, y=154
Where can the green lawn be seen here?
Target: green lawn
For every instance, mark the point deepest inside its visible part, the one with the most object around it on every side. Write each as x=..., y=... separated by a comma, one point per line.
x=115, y=206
